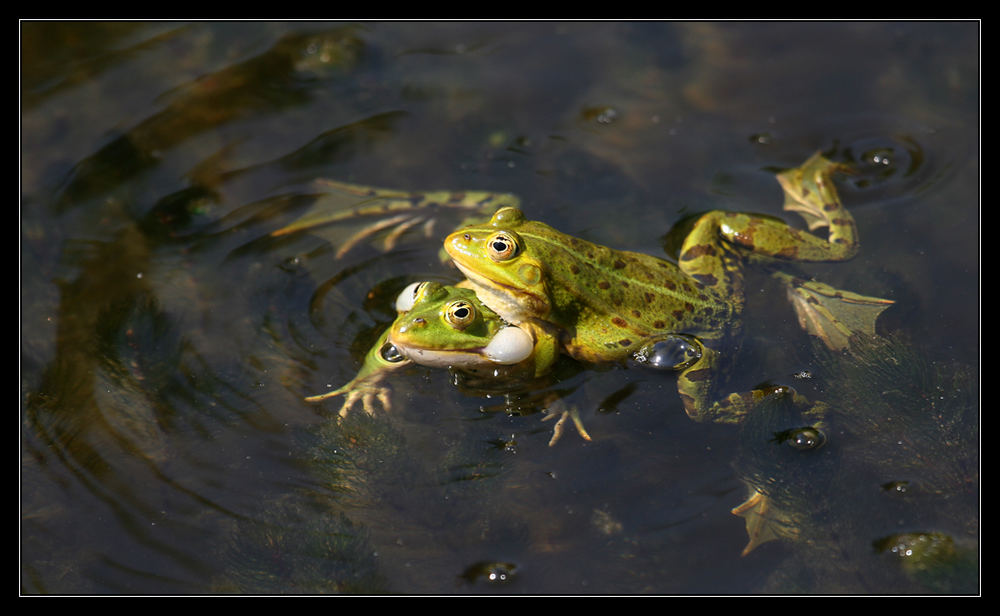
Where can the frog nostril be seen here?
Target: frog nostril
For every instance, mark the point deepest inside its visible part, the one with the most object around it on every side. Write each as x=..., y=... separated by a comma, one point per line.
x=414, y=323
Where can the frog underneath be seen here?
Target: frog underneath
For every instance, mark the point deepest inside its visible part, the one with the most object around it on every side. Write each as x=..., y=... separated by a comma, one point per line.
x=447, y=326
x=436, y=326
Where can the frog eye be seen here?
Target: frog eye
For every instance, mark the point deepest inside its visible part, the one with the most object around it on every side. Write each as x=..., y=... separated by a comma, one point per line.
x=501, y=246
x=408, y=296
x=460, y=314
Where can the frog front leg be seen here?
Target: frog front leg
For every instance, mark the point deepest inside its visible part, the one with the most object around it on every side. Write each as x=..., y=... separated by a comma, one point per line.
x=366, y=387
x=563, y=415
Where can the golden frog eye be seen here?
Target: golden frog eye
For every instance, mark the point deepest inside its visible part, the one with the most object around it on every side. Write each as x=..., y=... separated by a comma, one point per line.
x=501, y=246
x=460, y=314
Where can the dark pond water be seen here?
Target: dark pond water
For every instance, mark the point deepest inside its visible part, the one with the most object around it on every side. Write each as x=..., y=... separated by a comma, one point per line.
x=167, y=341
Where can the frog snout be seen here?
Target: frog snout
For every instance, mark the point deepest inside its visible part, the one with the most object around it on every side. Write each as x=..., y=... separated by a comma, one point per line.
x=458, y=244
x=412, y=324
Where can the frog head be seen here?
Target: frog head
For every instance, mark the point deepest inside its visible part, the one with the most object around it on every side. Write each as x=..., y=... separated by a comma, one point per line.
x=504, y=268
x=445, y=326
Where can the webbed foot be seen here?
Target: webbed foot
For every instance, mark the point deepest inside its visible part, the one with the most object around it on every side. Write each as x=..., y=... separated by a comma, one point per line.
x=381, y=359
x=394, y=211
x=832, y=315
x=368, y=393
x=764, y=522
x=809, y=190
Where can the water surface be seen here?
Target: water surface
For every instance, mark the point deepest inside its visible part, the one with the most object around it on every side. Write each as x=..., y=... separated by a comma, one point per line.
x=167, y=342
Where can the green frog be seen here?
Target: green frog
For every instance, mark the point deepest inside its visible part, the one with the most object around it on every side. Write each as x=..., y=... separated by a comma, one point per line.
x=447, y=326
x=599, y=304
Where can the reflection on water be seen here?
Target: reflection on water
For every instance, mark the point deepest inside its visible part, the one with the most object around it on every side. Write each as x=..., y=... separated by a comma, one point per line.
x=167, y=340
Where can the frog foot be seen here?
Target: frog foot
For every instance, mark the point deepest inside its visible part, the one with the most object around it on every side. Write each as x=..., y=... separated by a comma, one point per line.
x=395, y=211
x=365, y=393
x=832, y=315
x=809, y=190
x=557, y=430
x=764, y=522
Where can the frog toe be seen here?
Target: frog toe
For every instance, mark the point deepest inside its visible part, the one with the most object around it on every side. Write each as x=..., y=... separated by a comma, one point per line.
x=349, y=402
x=384, y=399
x=557, y=429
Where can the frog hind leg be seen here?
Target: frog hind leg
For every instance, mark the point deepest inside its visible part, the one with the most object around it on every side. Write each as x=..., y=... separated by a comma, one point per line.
x=810, y=192
x=695, y=384
x=719, y=239
x=395, y=211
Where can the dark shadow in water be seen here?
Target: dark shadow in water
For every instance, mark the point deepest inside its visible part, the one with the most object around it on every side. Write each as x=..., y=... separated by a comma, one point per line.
x=84, y=51
x=879, y=493
x=267, y=83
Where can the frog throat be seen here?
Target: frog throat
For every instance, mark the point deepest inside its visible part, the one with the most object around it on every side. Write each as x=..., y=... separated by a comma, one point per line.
x=513, y=304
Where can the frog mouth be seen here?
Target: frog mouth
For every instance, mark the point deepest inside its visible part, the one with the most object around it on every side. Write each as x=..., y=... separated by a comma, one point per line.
x=443, y=358
x=511, y=345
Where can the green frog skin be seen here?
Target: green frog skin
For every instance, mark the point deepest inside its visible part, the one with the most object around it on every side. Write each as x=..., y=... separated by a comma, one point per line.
x=599, y=304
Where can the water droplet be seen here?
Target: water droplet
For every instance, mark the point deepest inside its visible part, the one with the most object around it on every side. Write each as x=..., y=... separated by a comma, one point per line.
x=802, y=439
x=673, y=352
x=491, y=572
